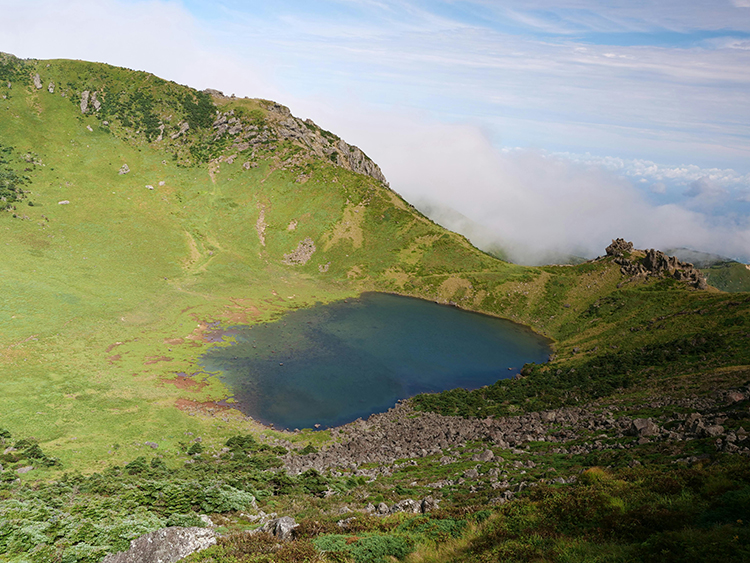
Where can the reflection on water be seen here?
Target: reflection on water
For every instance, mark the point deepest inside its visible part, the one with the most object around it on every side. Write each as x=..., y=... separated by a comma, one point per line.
x=331, y=364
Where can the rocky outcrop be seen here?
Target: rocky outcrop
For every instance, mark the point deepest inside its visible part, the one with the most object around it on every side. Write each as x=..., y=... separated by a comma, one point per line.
x=279, y=125
x=401, y=433
x=37, y=81
x=85, y=101
x=619, y=247
x=184, y=126
x=165, y=546
x=654, y=263
x=282, y=528
x=301, y=254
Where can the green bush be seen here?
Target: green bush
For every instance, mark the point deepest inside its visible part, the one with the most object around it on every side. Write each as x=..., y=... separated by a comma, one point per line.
x=186, y=521
x=375, y=548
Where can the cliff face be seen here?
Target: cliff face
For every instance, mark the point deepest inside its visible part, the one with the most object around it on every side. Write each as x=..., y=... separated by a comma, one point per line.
x=653, y=263
x=282, y=125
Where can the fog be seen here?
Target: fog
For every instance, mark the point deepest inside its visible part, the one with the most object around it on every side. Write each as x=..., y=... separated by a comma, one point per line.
x=537, y=207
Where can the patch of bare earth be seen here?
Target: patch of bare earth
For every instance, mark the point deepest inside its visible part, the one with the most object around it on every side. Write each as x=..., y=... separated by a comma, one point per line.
x=156, y=359
x=205, y=407
x=186, y=384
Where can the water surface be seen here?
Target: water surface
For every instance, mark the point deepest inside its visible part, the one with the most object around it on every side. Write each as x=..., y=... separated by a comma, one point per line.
x=331, y=364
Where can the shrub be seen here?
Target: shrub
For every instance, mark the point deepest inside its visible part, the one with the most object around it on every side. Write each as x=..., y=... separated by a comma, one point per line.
x=374, y=548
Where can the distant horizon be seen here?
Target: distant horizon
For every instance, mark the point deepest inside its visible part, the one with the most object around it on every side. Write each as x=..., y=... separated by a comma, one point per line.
x=555, y=125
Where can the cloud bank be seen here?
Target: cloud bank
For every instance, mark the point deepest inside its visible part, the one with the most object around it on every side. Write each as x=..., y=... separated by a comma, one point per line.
x=537, y=206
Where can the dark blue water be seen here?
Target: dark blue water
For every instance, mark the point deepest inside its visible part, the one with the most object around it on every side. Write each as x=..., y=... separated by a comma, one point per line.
x=332, y=364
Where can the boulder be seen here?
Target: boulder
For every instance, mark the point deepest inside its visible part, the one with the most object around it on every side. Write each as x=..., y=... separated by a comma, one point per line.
x=643, y=427
x=37, y=82
x=406, y=505
x=485, y=456
x=619, y=247
x=184, y=126
x=282, y=527
x=165, y=546
x=428, y=504
x=712, y=431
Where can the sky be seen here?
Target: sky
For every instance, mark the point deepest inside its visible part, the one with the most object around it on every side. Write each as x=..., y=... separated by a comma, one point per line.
x=547, y=127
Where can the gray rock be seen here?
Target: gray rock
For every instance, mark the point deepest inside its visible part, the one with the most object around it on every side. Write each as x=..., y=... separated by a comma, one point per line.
x=22, y=470
x=428, y=504
x=301, y=254
x=184, y=126
x=735, y=397
x=37, y=82
x=406, y=505
x=382, y=508
x=84, y=101
x=346, y=522
x=712, y=431
x=619, y=247
x=124, y=169
x=486, y=455
x=153, y=445
x=643, y=427
x=471, y=474
x=282, y=527
x=51, y=88
x=165, y=546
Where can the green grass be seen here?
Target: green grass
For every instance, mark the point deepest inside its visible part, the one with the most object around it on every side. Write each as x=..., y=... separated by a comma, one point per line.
x=729, y=276
x=105, y=300
x=104, y=295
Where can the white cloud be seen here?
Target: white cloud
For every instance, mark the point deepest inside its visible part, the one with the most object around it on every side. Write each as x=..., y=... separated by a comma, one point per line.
x=646, y=169
x=704, y=187
x=533, y=203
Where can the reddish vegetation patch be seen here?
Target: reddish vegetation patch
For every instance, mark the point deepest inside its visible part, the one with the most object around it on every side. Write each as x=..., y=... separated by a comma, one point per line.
x=197, y=333
x=186, y=384
x=113, y=346
x=115, y=358
x=192, y=406
x=156, y=359
x=174, y=341
x=240, y=311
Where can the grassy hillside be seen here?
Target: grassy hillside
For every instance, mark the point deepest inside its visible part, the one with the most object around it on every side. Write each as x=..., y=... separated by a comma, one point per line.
x=139, y=213
x=729, y=276
x=109, y=283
